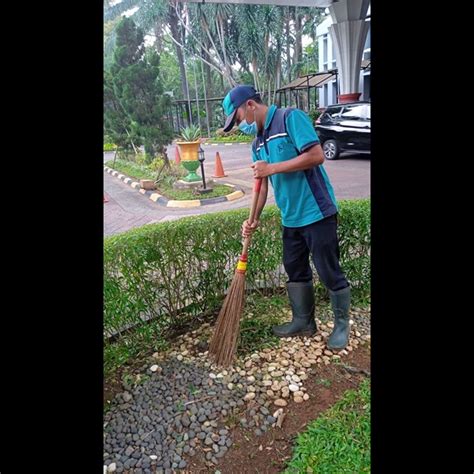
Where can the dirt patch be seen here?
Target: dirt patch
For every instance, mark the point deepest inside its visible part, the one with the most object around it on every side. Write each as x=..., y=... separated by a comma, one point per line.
x=269, y=453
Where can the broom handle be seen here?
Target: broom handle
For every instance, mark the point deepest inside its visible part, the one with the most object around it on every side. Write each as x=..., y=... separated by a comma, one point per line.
x=253, y=210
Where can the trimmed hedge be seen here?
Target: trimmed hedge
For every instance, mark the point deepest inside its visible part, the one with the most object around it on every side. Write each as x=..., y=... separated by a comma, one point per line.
x=172, y=272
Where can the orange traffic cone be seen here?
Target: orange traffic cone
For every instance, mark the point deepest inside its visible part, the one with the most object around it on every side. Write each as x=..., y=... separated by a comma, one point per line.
x=177, y=157
x=219, y=170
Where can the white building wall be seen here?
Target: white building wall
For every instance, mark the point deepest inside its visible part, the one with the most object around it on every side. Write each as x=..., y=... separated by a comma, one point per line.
x=327, y=93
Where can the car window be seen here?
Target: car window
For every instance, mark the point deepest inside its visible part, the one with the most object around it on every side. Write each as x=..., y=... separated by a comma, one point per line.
x=331, y=113
x=355, y=112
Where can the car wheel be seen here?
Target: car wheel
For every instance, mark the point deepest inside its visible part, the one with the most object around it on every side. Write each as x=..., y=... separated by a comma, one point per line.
x=331, y=149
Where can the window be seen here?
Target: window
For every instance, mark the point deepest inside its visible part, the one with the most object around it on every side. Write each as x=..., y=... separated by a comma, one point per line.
x=355, y=112
x=325, y=52
x=366, y=54
x=367, y=40
x=333, y=64
x=334, y=91
x=331, y=114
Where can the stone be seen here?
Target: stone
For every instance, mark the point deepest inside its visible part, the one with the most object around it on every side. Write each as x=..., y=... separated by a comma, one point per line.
x=280, y=402
x=249, y=396
x=154, y=368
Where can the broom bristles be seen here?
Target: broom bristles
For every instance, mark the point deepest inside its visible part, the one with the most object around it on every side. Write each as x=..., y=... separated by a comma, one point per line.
x=223, y=344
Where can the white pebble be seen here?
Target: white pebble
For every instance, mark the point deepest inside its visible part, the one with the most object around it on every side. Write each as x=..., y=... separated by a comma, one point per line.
x=154, y=368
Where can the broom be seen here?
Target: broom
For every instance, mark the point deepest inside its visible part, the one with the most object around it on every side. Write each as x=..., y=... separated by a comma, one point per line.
x=223, y=344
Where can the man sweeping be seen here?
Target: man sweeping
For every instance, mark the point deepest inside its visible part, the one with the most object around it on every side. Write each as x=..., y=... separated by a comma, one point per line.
x=287, y=152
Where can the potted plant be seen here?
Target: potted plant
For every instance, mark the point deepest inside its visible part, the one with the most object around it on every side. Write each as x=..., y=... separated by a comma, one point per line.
x=189, y=142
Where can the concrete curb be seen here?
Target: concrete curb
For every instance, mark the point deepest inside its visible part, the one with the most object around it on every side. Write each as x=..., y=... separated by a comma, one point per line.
x=163, y=201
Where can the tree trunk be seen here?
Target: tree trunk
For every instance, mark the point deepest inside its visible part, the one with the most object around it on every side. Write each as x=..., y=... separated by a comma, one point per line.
x=298, y=42
x=174, y=27
x=288, y=43
x=221, y=35
x=158, y=30
x=277, y=76
x=207, y=84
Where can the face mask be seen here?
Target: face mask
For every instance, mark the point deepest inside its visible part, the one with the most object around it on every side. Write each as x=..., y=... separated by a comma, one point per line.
x=248, y=128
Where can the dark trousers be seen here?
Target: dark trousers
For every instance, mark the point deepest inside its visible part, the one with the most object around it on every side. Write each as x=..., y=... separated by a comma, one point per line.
x=320, y=240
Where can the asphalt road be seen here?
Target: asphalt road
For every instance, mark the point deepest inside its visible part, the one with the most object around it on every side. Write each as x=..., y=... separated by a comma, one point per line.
x=349, y=175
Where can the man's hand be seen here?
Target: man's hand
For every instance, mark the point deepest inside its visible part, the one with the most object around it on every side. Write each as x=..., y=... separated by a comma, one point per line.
x=248, y=229
x=261, y=169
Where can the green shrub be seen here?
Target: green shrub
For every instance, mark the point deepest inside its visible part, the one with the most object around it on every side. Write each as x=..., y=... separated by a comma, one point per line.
x=142, y=159
x=190, y=134
x=233, y=132
x=175, y=271
x=314, y=114
x=109, y=147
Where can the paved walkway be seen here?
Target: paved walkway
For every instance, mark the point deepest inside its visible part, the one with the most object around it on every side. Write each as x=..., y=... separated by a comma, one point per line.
x=127, y=208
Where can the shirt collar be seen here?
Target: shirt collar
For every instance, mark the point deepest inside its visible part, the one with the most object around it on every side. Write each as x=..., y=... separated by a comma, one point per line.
x=270, y=114
x=268, y=119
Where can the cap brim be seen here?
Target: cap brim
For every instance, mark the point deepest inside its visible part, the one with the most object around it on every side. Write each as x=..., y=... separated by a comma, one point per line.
x=229, y=123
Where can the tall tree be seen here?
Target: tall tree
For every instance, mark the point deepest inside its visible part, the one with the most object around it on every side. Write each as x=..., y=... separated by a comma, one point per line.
x=137, y=88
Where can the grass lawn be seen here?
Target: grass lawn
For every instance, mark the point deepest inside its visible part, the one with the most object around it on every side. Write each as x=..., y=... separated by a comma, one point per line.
x=165, y=188
x=339, y=440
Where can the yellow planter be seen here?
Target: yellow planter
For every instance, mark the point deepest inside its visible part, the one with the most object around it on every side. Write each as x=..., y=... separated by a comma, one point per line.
x=189, y=150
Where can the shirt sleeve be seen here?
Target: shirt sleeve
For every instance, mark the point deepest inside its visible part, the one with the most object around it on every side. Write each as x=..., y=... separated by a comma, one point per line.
x=301, y=130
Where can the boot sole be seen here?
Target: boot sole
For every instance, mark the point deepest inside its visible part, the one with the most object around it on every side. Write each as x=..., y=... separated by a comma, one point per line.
x=301, y=334
x=337, y=349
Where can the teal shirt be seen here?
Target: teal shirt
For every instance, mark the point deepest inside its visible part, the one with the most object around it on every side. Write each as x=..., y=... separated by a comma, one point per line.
x=303, y=197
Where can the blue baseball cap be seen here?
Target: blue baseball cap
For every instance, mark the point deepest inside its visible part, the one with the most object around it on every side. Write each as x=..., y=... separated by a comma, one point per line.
x=233, y=100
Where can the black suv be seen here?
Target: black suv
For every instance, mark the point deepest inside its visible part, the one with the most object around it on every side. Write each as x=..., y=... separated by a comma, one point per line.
x=344, y=127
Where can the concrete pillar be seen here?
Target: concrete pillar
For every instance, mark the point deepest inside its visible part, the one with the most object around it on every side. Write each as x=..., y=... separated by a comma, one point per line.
x=348, y=33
